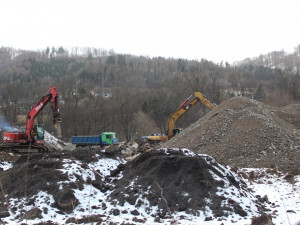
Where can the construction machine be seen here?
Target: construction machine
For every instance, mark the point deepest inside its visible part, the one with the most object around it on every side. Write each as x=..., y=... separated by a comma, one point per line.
x=32, y=139
x=183, y=108
x=104, y=139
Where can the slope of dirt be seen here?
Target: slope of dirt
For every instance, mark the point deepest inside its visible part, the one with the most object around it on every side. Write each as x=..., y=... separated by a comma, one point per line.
x=290, y=113
x=246, y=133
x=48, y=173
x=177, y=180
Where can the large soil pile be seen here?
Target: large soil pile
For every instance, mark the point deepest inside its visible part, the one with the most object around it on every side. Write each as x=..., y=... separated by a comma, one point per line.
x=164, y=181
x=246, y=133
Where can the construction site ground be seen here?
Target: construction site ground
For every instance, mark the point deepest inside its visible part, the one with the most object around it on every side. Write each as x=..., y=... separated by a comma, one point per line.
x=237, y=165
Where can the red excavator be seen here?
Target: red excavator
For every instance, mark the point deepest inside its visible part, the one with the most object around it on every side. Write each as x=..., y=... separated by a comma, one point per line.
x=32, y=140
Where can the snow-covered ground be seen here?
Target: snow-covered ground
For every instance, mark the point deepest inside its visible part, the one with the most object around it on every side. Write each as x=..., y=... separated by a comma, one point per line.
x=284, y=196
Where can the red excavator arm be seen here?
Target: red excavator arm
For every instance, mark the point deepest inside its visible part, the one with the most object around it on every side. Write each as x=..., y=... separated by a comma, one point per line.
x=52, y=96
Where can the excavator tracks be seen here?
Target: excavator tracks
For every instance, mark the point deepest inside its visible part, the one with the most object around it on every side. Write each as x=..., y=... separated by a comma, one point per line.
x=24, y=149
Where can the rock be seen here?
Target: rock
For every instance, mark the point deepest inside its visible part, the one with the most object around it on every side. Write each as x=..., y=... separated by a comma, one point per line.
x=135, y=212
x=33, y=214
x=135, y=219
x=157, y=219
x=4, y=214
x=86, y=220
x=208, y=218
x=72, y=220
x=116, y=212
x=135, y=145
x=69, y=147
x=104, y=206
x=100, y=185
x=264, y=219
x=65, y=200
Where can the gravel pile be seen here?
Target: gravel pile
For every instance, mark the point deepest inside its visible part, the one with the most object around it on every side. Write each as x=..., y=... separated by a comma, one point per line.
x=246, y=133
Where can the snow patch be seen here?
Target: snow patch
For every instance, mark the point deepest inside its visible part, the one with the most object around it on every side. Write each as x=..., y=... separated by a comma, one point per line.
x=6, y=165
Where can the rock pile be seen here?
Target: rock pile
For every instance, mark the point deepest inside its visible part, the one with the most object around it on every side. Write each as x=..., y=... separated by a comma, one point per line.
x=130, y=149
x=246, y=133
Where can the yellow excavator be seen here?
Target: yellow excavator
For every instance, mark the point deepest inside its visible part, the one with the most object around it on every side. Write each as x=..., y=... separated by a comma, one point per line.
x=183, y=108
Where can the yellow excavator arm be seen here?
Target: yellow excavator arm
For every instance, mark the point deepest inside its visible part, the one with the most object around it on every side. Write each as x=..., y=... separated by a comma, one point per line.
x=183, y=108
x=186, y=106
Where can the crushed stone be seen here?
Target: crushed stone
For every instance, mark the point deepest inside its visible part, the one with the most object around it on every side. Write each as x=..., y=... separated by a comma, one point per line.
x=246, y=133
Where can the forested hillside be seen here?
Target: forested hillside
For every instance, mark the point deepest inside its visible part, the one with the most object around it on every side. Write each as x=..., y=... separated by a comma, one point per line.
x=133, y=95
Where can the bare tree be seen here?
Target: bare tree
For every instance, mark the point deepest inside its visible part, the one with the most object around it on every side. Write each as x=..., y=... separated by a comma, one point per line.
x=126, y=106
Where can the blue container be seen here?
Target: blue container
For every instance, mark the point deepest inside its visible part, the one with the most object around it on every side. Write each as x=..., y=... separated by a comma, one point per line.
x=86, y=140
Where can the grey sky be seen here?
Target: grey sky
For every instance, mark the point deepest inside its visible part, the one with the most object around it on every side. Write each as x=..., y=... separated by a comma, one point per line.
x=227, y=30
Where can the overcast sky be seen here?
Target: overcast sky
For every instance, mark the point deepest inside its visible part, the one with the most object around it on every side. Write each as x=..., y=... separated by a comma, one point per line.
x=217, y=30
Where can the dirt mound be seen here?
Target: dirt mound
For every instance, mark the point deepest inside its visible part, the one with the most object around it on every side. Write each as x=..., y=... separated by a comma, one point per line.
x=291, y=114
x=45, y=173
x=246, y=133
x=177, y=180
x=39, y=172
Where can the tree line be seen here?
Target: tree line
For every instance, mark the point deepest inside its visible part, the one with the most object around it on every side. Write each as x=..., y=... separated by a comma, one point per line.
x=131, y=95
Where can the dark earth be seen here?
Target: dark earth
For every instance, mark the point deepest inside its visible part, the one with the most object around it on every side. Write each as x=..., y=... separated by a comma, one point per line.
x=185, y=181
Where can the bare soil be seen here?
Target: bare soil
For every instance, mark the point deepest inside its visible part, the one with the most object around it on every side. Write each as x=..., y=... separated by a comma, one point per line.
x=176, y=182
